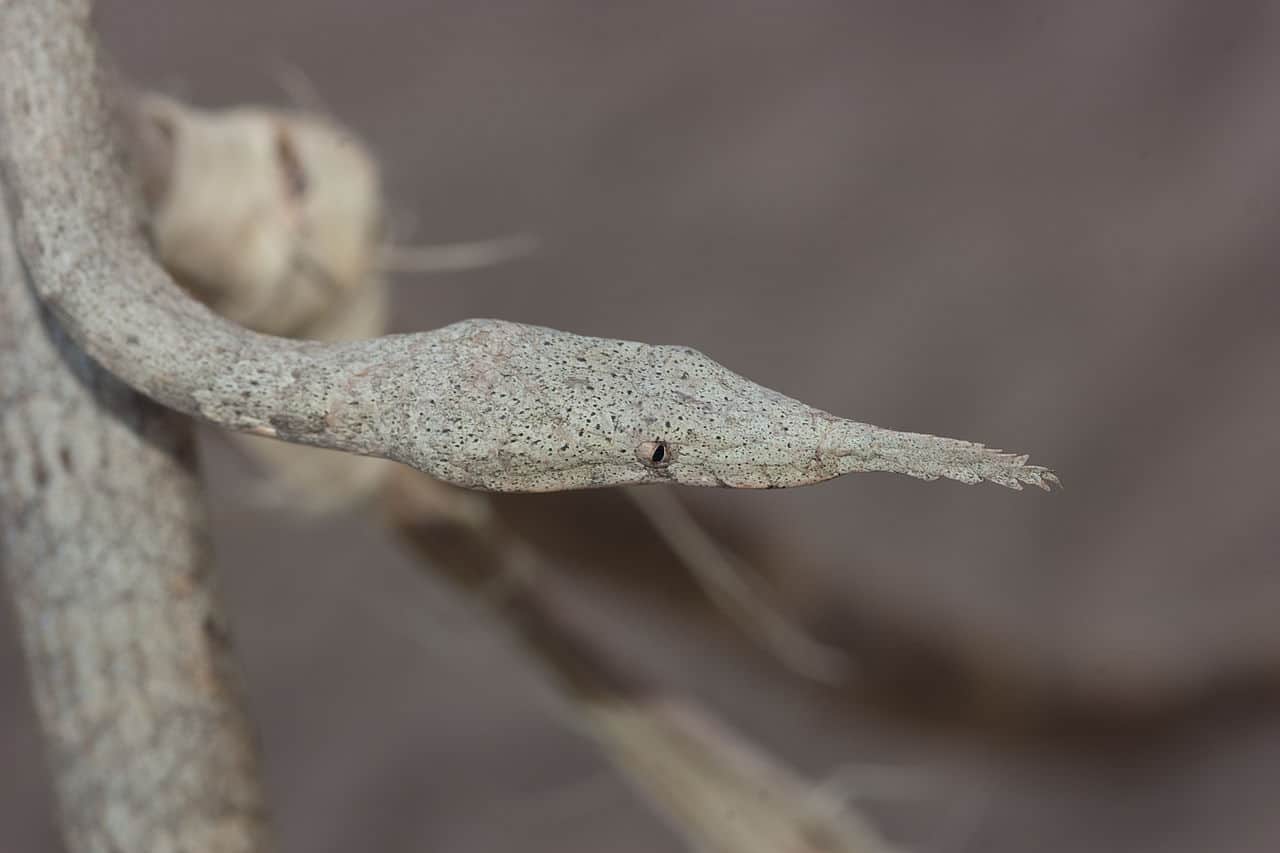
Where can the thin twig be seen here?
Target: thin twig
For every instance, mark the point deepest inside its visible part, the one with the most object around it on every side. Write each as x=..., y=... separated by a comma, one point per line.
x=730, y=586
x=719, y=791
x=454, y=257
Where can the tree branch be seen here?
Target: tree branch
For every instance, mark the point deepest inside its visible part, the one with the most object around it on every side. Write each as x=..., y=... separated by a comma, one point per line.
x=481, y=403
x=719, y=791
x=104, y=547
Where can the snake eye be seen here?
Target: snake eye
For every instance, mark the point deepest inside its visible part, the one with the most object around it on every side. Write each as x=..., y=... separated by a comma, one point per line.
x=655, y=454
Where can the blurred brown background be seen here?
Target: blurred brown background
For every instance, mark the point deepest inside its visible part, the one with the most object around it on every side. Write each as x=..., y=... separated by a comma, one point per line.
x=1046, y=226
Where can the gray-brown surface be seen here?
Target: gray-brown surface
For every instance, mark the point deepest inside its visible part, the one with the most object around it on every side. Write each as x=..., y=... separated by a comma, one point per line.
x=107, y=563
x=1046, y=225
x=481, y=403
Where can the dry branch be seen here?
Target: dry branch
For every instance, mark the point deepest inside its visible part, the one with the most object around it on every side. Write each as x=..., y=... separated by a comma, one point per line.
x=719, y=791
x=481, y=403
x=104, y=547
x=732, y=587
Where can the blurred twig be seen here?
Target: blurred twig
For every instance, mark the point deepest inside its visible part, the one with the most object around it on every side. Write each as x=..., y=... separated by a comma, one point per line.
x=731, y=588
x=719, y=791
x=454, y=257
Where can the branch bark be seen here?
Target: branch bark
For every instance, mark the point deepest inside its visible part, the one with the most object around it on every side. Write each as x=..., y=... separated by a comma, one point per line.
x=481, y=403
x=104, y=548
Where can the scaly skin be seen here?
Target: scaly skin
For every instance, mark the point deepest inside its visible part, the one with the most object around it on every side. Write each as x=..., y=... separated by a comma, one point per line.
x=503, y=406
x=482, y=403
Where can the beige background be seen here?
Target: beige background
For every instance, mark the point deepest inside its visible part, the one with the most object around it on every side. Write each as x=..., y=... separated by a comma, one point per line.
x=1046, y=226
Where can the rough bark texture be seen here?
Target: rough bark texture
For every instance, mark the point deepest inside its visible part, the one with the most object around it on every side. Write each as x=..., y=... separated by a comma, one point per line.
x=107, y=561
x=481, y=403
